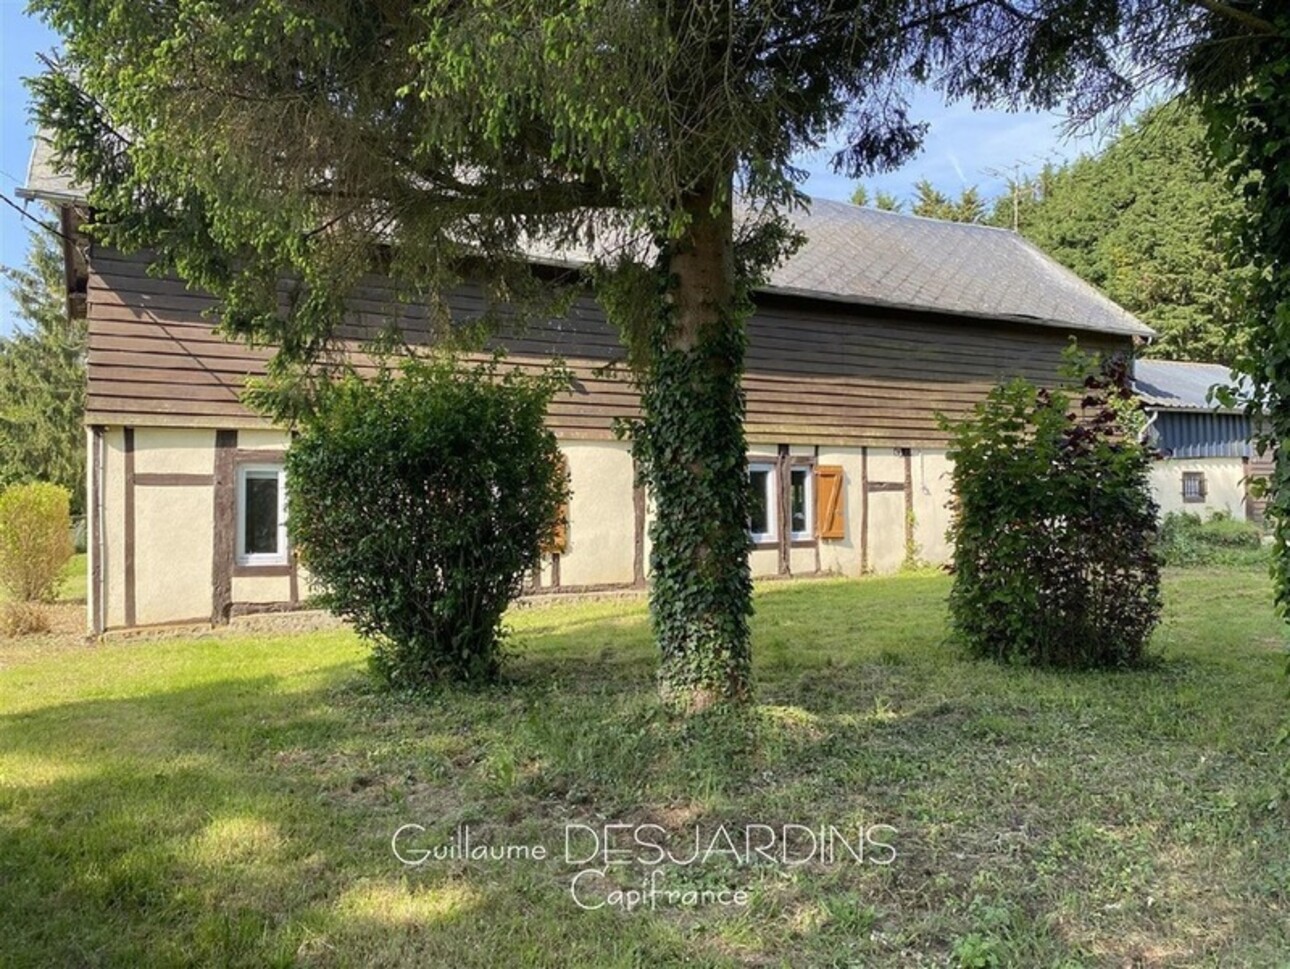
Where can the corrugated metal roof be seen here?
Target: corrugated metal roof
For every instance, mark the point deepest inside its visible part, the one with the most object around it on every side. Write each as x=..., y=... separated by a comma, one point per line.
x=1200, y=434
x=1181, y=385
x=869, y=257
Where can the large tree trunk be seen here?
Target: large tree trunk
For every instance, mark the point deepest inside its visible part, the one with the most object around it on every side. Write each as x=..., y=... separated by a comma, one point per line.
x=695, y=465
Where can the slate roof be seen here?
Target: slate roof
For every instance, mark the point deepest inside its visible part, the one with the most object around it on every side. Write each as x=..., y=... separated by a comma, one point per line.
x=869, y=257
x=865, y=255
x=1180, y=385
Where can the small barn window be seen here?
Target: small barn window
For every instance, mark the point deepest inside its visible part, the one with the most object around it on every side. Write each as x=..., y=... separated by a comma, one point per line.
x=761, y=505
x=261, y=515
x=1193, y=486
x=801, y=502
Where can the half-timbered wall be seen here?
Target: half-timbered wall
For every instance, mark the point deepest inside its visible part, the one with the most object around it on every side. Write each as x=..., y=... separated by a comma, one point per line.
x=852, y=392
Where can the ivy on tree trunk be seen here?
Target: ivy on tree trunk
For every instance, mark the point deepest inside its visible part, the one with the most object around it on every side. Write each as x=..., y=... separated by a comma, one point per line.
x=691, y=449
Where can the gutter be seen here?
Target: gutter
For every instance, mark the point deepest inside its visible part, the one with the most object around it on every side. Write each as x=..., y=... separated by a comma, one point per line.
x=45, y=195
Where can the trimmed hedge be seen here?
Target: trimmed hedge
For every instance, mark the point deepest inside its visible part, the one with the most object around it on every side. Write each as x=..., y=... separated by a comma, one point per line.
x=1053, y=525
x=418, y=500
x=35, y=540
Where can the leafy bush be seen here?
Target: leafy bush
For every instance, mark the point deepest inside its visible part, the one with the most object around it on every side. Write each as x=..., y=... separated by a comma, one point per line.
x=1054, y=526
x=1188, y=540
x=418, y=500
x=23, y=618
x=35, y=540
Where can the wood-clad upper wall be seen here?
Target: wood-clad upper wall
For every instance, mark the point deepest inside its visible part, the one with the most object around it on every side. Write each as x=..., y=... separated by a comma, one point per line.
x=817, y=373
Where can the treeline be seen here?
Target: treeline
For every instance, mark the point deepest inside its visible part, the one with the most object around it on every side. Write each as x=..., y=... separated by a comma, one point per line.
x=42, y=378
x=1145, y=220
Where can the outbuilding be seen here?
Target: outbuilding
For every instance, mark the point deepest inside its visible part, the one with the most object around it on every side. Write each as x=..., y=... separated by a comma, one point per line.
x=880, y=323
x=1207, y=456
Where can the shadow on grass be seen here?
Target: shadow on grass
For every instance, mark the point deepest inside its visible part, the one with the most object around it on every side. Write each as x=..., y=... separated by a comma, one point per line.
x=233, y=823
x=248, y=821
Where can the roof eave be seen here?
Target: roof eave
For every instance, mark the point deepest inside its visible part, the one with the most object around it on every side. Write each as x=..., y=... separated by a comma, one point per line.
x=1174, y=408
x=1140, y=330
x=46, y=195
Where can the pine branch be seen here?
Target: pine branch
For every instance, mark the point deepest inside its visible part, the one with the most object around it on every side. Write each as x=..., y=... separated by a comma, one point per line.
x=1260, y=26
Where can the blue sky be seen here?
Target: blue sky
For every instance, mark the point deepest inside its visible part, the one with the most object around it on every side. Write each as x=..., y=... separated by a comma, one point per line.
x=964, y=147
x=21, y=37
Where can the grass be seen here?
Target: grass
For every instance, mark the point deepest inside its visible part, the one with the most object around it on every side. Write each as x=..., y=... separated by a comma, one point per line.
x=1220, y=541
x=75, y=579
x=231, y=801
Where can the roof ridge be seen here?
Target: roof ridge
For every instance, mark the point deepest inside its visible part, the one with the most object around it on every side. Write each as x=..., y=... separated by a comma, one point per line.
x=874, y=210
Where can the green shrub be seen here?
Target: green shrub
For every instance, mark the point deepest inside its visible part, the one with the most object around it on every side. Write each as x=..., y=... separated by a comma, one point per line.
x=1188, y=540
x=1054, y=526
x=35, y=540
x=418, y=500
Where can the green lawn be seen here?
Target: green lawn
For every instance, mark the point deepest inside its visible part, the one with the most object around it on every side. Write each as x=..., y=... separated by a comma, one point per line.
x=225, y=801
x=75, y=579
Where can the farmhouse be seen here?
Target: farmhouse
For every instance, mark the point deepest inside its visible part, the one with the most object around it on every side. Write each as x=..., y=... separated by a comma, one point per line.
x=1207, y=459
x=877, y=325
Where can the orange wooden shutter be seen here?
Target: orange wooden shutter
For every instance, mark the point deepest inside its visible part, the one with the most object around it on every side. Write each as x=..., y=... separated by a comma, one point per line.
x=830, y=517
x=560, y=537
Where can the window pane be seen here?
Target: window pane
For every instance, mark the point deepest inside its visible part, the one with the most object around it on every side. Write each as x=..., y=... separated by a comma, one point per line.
x=758, y=512
x=798, y=499
x=261, y=499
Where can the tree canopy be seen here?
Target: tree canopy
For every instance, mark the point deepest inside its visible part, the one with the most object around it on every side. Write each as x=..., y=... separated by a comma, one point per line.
x=1146, y=222
x=882, y=200
x=456, y=134
x=1240, y=80
x=931, y=203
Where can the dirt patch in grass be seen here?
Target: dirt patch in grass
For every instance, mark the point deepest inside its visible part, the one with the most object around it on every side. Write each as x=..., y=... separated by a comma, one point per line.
x=66, y=634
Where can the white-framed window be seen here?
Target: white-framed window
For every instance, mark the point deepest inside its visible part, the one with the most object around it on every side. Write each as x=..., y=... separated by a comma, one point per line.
x=261, y=515
x=801, y=502
x=761, y=506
